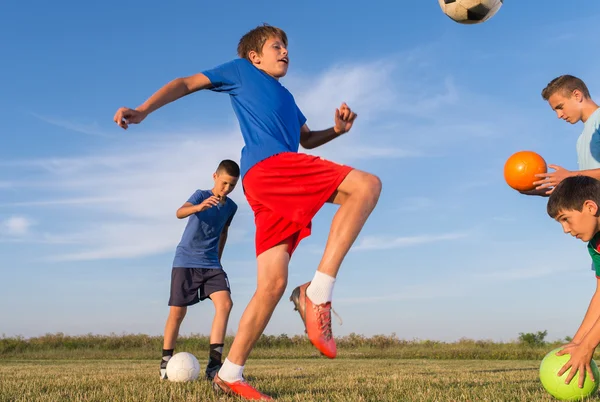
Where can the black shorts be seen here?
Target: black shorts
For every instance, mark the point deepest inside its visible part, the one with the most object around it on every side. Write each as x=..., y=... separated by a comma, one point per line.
x=191, y=285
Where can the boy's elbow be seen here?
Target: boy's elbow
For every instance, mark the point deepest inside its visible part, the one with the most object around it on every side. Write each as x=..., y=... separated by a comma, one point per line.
x=305, y=145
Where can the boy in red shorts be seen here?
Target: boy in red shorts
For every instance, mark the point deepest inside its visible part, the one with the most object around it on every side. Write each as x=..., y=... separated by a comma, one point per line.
x=284, y=188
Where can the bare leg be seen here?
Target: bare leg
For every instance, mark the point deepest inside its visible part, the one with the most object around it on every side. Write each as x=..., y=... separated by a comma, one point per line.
x=176, y=315
x=357, y=196
x=271, y=283
x=223, y=305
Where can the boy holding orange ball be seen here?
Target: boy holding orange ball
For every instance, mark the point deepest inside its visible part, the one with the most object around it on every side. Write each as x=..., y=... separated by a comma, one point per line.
x=570, y=98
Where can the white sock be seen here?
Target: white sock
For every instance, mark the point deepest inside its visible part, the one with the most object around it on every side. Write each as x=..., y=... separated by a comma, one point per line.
x=320, y=289
x=231, y=372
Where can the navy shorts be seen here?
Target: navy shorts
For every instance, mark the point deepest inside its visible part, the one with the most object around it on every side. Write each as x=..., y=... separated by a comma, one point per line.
x=191, y=285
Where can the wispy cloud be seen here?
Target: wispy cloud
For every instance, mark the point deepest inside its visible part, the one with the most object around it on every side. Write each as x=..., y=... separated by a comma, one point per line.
x=16, y=226
x=62, y=202
x=411, y=292
x=524, y=273
x=390, y=242
x=461, y=284
x=82, y=128
x=368, y=94
x=412, y=204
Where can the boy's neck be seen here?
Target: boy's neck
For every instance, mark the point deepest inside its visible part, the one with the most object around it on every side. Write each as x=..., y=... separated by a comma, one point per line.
x=588, y=110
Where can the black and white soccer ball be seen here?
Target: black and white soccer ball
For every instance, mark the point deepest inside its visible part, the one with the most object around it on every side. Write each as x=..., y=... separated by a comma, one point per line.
x=470, y=11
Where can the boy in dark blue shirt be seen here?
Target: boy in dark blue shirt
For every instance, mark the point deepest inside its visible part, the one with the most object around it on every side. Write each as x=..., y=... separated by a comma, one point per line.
x=197, y=271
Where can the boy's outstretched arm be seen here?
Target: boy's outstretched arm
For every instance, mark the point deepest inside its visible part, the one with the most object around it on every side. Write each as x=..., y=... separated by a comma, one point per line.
x=344, y=118
x=552, y=179
x=172, y=91
x=584, y=342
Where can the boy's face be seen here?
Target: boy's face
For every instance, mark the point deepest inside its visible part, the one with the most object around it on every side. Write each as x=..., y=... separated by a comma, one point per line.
x=274, y=58
x=582, y=225
x=224, y=184
x=567, y=108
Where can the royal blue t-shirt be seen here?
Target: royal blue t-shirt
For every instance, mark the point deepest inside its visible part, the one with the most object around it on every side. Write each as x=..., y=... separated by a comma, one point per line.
x=199, y=245
x=269, y=119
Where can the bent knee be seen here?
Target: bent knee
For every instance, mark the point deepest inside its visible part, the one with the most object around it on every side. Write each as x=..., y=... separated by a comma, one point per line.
x=273, y=289
x=370, y=187
x=374, y=184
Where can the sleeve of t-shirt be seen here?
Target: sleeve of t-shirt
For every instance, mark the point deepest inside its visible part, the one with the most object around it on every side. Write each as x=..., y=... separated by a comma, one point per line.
x=232, y=215
x=301, y=118
x=225, y=78
x=595, y=141
x=196, y=198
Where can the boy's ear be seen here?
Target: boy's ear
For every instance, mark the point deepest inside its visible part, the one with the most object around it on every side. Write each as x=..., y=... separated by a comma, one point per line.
x=254, y=57
x=591, y=207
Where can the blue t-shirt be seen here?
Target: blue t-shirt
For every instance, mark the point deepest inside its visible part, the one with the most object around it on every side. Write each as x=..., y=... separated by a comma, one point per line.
x=199, y=245
x=269, y=119
x=588, y=143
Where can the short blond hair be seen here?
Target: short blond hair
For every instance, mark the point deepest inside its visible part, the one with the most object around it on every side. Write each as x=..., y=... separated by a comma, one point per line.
x=566, y=84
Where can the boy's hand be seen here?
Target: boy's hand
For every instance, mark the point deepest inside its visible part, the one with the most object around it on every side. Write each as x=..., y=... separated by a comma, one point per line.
x=344, y=118
x=542, y=193
x=126, y=116
x=552, y=179
x=209, y=203
x=581, y=356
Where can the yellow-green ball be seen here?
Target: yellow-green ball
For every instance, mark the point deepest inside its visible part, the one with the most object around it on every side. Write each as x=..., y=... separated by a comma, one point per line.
x=555, y=385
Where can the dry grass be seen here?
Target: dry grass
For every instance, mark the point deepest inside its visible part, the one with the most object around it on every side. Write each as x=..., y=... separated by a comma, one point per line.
x=286, y=379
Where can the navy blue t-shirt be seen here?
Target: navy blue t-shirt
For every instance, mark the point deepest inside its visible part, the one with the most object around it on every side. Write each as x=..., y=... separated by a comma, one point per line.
x=269, y=119
x=199, y=245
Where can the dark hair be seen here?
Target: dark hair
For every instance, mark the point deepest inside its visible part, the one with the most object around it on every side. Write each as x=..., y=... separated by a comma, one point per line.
x=230, y=167
x=256, y=38
x=565, y=84
x=572, y=193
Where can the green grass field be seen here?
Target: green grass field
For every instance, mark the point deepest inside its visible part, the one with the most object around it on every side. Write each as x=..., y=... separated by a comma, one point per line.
x=125, y=368
x=286, y=379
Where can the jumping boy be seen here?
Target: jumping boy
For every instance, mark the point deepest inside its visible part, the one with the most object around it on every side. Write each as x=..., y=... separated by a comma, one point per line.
x=285, y=189
x=197, y=272
x=570, y=98
x=574, y=203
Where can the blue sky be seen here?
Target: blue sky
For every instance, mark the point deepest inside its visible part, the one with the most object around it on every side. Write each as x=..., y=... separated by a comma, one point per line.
x=87, y=211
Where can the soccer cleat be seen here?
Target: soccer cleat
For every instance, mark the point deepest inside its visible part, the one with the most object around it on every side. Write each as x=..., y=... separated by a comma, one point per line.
x=212, y=371
x=239, y=388
x=163, y=369
x=317, y=321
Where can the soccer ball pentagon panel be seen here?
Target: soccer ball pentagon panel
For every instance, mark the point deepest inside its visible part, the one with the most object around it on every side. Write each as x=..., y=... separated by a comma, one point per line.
x=470, y=11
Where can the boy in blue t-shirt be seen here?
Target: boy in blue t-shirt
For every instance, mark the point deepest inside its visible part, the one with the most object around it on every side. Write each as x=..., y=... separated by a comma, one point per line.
x=570, y=99
x=285, y=189
x=575, y=204
x=197, y=272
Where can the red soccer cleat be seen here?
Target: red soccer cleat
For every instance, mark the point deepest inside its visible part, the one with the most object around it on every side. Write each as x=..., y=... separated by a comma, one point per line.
x=317, y=321
x=239, y=388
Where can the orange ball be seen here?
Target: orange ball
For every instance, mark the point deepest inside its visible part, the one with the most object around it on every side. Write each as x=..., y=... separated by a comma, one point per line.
x=520, y=170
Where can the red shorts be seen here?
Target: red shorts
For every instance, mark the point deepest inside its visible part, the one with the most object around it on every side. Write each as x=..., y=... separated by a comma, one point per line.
x=285, y=192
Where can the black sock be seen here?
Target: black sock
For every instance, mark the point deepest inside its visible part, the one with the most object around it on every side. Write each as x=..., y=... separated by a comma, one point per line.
x=216, y=354
x=168, y=353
